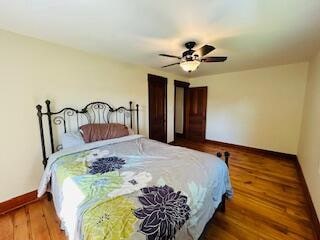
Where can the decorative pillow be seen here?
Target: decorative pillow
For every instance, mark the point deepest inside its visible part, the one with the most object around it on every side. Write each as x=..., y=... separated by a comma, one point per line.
x=96, y=132
x=72, y=139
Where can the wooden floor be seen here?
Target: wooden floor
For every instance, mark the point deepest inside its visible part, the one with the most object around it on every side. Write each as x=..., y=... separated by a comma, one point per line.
x=268, y=203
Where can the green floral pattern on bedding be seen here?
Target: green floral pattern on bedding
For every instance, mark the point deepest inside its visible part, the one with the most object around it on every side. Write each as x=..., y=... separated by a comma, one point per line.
x=112, y=220
x=71, y=165
x=103, y=217
x=98, y=185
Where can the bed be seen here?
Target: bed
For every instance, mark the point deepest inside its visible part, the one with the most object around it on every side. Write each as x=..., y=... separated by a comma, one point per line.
x=128, y=187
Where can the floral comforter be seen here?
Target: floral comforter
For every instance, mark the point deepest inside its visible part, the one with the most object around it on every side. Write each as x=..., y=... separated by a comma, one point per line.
x=134, y=188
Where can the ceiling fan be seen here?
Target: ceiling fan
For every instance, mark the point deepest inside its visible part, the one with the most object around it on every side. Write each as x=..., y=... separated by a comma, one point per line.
x=191, y=58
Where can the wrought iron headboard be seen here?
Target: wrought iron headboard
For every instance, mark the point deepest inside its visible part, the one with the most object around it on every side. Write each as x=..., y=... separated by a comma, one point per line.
x=94, y=112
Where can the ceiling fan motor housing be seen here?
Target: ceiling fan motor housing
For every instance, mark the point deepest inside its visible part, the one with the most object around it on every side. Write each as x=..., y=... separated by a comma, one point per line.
x=190, y=45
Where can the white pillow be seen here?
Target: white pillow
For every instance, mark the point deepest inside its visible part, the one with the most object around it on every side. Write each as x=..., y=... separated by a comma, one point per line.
x=72, y=139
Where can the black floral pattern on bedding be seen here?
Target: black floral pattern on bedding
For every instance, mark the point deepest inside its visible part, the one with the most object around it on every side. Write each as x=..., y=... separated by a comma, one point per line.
x=107, y=164
x=164, y=212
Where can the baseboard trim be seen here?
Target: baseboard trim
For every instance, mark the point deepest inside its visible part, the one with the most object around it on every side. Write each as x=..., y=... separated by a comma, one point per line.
x=312, y=210
x=255, y=150
x=18, y=202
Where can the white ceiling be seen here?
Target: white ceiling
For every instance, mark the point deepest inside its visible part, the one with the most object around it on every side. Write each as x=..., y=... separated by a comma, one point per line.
x=252, y=33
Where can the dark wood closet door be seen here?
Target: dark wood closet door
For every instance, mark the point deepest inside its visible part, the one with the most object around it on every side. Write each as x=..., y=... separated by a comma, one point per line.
x=197, y=113
x=157, y=108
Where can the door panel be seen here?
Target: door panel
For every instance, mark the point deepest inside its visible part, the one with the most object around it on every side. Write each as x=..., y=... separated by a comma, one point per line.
x=197, y=111
x=157, y=88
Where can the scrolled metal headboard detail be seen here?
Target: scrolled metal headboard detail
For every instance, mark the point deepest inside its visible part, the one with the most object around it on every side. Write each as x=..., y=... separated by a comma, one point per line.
x=94, y=112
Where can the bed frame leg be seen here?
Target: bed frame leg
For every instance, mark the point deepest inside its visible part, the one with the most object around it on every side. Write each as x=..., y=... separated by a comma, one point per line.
x=223, y=203
x=222, y=206
x=49, y=196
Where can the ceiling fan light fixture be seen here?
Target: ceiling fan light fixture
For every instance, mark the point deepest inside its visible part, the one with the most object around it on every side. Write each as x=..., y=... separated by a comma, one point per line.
x=189, y=66
x=191, y=59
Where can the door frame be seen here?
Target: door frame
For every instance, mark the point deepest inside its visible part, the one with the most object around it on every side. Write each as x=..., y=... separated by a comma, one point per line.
x=152, y=78
x=185, y=86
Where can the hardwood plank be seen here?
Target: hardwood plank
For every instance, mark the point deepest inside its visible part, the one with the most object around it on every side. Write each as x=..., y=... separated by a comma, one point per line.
x=215, y=230
x=39, y=228
x=20, y=223
x=6, y=227
x=52, y=220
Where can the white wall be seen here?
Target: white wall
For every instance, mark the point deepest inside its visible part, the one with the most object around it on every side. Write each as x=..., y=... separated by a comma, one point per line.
x=259, y=108
x=32, y=71
x=309, y=146
x=179, y=109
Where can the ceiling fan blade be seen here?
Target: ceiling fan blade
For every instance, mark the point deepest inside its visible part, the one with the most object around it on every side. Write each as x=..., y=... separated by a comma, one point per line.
x=170, y=65
x=205, y=50
x=214, y=59
x=167, y=55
